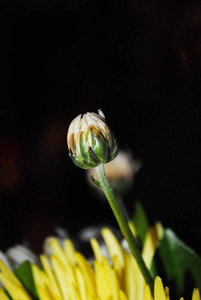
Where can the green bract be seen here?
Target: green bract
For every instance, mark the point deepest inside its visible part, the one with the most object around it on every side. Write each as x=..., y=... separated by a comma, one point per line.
x=90, y=141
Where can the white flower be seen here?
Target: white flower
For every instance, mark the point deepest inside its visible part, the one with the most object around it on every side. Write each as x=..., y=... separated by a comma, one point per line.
x=90, y=141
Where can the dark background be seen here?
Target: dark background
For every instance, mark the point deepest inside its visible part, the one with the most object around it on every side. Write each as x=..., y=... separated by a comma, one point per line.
x=140, y=62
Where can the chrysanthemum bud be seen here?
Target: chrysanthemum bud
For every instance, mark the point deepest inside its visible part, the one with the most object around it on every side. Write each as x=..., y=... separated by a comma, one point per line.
x=90, y=141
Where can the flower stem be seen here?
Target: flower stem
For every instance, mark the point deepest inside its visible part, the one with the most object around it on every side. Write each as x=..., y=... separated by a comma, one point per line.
x=123, y=224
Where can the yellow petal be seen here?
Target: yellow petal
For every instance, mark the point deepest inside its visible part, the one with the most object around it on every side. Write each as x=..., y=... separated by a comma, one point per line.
x=112, y=279
x=113, y=246
x=122, y=295
x=69, y=251
x=96, y=249
x=17, y=292
x=103, y=288
x=50, y=275
x=60, y=276
x=106, y=280
x=130, y=277
x=9, y=274
x=154, y=235
x=43, y=294
x=147, y=293
x=81, y=283
x=58, y=251
x=159, y=292
x=196, y=294
x=118, y=269
x=133, y=279
x=74, y=293
x=3, y=296
x=70, y=275
x=87, y=273
x=167, y=292
x=43, y=285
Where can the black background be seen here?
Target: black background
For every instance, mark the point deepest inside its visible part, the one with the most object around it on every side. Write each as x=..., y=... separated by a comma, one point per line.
x=140, y=62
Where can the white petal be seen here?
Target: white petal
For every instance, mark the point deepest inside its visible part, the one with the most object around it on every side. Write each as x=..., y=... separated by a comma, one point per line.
x=77, y=124
x=100, y=112
x=91, y=121
x=19, y=253
x=97, y=120
x=84, y=123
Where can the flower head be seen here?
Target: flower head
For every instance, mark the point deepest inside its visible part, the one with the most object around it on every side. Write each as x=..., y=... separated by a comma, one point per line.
x=90, y=141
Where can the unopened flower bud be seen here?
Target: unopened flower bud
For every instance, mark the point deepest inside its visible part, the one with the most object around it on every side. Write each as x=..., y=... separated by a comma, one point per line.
x=90, y=141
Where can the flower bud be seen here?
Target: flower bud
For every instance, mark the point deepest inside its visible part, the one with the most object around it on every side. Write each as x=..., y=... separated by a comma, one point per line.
x=90, y=141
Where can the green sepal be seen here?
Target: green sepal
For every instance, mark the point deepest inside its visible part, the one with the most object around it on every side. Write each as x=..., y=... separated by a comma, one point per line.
x=97, y=183
x=114, y=152
x=140, y=222
x=24, y=274
x=102, y=149
x=78, y=162
x=178, y=265
x=94, y=159
x=113, y=146
x=83, y=149
x=91, y=138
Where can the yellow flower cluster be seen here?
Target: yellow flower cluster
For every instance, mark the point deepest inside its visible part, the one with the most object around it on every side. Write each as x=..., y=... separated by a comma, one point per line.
x=67, y=275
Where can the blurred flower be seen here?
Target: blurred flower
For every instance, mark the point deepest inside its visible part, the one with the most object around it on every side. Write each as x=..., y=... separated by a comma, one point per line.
x=66, y=274
x=120, y=172
x=90, y=141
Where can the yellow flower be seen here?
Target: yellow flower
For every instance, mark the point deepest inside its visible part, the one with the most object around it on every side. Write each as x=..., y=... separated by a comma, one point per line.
x=67, y=275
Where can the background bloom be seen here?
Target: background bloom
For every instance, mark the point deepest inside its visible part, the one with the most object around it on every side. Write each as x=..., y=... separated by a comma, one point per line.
x=120, y=172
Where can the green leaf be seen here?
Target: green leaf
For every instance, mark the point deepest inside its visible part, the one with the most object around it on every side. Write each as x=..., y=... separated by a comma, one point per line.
x=178, y=265
x=140, y=222
x=24, y=274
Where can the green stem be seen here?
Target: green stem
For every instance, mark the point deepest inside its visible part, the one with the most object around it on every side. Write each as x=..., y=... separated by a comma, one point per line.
x=123, y=224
